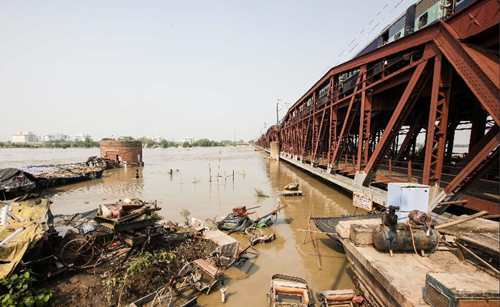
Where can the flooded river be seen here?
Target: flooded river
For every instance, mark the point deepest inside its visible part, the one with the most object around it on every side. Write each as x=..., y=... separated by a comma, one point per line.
x=190, y=187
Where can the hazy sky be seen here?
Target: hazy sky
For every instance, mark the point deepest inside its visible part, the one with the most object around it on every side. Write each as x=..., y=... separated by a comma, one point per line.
x=169, y=68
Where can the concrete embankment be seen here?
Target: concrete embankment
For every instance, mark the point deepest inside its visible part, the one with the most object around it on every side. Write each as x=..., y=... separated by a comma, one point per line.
x=379, y=195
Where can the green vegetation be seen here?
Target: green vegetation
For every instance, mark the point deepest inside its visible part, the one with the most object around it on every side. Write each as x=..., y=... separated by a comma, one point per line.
x=18, y=291
x=260, y=193
x=140, y=263
x=148, y=142
x=167, y=144
x=185, y=213
x=211, y=143
x=88, y=143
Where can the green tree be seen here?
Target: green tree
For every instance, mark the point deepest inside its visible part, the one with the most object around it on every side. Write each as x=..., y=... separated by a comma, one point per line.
x=147, y=141
x=90, y=143
x=166, y=144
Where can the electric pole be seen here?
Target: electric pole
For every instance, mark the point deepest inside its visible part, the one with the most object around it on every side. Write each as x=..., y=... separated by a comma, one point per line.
x=277, y=116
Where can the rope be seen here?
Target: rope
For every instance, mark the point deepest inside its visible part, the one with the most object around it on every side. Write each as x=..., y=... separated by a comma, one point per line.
x=412, y=237
x=415, y=249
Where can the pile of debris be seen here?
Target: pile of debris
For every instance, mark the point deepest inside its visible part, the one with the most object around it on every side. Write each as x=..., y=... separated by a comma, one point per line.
x=125, y=251
x=105, y=163
x=54, y=173
x=239, y=220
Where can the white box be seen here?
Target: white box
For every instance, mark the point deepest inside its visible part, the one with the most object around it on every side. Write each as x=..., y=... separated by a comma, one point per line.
x=408, y=196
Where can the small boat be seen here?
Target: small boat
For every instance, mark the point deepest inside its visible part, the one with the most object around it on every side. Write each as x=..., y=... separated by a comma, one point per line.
x=289, y=291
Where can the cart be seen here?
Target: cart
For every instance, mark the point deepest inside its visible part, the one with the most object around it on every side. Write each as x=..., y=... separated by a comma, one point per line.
x=289, y=291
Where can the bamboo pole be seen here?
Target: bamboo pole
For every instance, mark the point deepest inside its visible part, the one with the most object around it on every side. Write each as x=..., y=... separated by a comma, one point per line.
x=315, y=231
x=461, y=219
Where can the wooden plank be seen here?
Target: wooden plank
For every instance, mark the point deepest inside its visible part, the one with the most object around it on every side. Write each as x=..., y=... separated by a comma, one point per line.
x=484, y=244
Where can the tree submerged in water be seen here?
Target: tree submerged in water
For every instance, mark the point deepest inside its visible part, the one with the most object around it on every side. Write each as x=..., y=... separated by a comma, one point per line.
x=260, y=193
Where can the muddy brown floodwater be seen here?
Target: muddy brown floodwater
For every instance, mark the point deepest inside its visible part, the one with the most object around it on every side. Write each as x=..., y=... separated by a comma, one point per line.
x=190, y=187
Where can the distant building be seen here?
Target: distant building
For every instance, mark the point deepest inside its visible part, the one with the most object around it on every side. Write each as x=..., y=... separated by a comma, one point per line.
x=80, y=137
x=189, y=140
x=24, y=137
x=56, y=137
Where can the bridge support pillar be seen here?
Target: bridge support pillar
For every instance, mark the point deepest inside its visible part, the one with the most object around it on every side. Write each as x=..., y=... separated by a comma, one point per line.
x=359, y=178
x=275, y=151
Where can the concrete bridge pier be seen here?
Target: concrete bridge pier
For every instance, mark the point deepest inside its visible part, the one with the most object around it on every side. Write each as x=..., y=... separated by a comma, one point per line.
x=275, y=150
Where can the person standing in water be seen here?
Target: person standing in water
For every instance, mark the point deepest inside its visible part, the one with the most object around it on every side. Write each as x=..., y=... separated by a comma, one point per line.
x=136, y=174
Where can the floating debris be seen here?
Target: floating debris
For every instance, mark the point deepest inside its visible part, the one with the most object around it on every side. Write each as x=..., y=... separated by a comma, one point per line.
x=292, y=187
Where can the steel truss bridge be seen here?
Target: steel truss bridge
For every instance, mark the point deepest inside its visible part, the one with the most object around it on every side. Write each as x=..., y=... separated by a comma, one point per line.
x=434, y=82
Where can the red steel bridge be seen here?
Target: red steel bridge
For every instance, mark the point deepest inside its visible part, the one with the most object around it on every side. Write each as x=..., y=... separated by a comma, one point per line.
x=360, y=123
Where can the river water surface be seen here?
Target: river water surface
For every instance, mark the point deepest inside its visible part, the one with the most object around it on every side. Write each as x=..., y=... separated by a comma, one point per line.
x=190, y=188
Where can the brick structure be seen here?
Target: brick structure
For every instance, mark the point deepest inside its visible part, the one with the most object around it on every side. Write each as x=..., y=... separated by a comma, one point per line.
x=123, y=152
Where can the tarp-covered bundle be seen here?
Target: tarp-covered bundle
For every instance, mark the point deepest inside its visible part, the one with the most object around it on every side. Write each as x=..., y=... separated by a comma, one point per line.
x=34, y=214
x=13, y=179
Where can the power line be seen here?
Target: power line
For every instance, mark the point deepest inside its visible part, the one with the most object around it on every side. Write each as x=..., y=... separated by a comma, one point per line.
x=340, y=58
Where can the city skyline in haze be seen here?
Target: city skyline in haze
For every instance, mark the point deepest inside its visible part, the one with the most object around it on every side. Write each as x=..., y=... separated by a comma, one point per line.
x=172, y=69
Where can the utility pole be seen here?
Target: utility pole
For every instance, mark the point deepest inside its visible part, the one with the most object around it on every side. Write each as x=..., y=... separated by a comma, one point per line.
x=277, y=116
